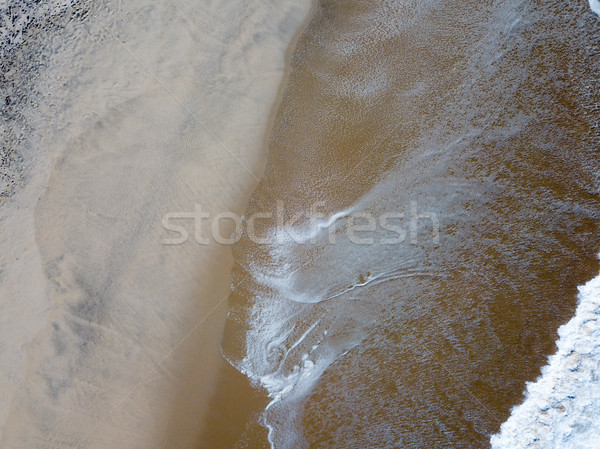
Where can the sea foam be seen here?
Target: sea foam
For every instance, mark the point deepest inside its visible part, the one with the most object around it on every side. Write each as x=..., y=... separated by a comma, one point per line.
x=562, y=408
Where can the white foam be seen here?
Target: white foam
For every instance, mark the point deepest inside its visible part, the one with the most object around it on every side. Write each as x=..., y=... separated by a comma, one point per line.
x=281, y=380
x=562, y=408
x=595, y=5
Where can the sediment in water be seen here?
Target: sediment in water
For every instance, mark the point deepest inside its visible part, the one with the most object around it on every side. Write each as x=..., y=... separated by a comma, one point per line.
x=481, y=115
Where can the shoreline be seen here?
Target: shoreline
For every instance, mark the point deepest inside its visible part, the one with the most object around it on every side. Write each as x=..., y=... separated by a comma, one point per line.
x=235, y=400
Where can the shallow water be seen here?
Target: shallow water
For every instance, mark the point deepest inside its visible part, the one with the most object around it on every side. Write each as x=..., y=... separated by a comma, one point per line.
x=478, y=122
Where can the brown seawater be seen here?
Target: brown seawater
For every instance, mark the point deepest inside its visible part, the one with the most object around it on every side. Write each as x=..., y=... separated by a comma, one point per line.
x=476, y=123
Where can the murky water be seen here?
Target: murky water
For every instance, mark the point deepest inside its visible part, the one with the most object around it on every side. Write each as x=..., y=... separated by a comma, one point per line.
x=474, y=127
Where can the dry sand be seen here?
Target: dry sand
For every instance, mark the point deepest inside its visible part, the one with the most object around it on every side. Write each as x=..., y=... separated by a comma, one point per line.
x=109, y=338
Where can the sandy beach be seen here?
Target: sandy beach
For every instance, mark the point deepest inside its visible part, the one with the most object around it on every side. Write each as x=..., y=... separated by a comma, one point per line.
x=138, y=111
